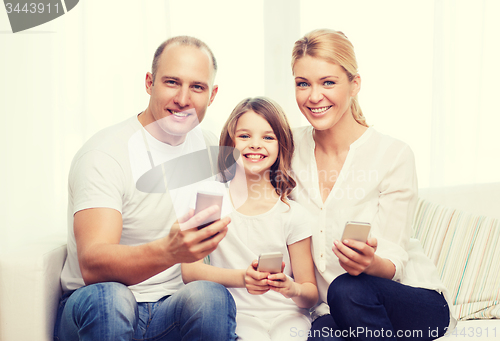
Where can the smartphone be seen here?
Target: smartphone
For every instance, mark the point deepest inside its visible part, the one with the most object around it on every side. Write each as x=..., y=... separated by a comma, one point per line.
x=204, y=200
x=356, y=230
x=270, y=262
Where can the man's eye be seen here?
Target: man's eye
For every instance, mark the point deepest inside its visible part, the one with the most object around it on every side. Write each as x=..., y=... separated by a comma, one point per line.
x=170, y=82
x=198, y=88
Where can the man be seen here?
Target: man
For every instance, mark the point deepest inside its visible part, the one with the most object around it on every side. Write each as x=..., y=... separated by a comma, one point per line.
x=122, y=277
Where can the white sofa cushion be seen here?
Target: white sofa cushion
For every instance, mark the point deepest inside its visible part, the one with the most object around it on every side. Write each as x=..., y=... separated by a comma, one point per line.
x=464, y=248
x=30, y=289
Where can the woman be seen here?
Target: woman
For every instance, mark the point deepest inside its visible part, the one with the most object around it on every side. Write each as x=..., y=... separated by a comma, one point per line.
x=385, y=288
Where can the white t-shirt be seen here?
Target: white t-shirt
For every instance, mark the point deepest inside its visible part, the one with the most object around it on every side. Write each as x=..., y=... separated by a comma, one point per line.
x=249, y=236
x=104, y=173
x=378, y=185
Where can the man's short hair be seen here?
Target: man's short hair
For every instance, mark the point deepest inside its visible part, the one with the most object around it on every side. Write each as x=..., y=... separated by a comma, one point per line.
x=181, y=40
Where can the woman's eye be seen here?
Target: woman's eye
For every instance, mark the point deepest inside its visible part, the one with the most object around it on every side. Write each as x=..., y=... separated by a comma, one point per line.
x=302, y=84
x=329, y=83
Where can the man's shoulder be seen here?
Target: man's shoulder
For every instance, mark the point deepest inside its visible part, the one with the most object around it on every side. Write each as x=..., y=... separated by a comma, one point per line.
x=111, y=138
x=210, y=138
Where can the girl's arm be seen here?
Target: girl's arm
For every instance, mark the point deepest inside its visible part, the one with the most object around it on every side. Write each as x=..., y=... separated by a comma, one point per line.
x=254, y=281
x=303, y=291
x=230, y=278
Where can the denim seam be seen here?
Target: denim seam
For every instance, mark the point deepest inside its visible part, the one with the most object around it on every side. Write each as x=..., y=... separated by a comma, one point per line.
x=159, y=336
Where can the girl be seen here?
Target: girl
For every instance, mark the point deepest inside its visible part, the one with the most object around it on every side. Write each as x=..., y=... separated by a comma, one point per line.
x=385, y=288
x=269, y=306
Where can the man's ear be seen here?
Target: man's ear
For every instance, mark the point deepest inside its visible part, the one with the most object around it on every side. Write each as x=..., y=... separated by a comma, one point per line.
x=149, y=82
x=214, y=92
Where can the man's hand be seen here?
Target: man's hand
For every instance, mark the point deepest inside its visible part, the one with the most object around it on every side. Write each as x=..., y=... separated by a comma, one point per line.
x=186, y=244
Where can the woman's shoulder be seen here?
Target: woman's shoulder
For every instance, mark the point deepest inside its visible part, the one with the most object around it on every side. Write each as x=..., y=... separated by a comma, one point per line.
x=294, y=209
x=301, y=132
x=381, y=141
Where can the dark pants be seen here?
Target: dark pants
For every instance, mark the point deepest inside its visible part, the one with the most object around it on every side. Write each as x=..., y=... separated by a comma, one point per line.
x=365, y=307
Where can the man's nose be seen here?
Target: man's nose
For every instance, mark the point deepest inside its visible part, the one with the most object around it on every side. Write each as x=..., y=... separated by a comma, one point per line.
x=182, y=97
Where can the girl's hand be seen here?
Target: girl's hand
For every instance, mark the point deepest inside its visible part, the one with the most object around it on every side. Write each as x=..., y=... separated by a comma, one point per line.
x=256, y=281
x=281, y=283
x=355, y=257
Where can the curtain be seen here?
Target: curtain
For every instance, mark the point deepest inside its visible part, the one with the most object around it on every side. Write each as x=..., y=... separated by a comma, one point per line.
x=428, y=69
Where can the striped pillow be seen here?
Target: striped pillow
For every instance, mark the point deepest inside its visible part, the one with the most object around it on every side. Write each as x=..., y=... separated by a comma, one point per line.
x=464, y=248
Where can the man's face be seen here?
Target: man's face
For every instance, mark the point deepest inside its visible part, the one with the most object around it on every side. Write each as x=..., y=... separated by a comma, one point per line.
x=181, y=92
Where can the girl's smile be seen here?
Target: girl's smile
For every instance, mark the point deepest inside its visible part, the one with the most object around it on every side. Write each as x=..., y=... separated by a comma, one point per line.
x=257, y=143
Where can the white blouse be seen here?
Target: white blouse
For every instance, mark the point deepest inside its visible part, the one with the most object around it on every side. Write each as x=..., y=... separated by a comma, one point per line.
x=378, y=185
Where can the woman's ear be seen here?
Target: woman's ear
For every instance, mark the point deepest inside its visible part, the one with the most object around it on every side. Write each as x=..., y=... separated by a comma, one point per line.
x=356, y=85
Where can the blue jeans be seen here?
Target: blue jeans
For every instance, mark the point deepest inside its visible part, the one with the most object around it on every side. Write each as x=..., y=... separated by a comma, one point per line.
x=108, y=311
x=365, y=307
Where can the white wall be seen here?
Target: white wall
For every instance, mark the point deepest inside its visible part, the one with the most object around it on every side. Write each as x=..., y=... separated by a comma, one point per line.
x=63, y=81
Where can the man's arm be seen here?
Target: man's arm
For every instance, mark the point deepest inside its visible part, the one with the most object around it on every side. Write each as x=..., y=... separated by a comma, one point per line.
x=103, y=259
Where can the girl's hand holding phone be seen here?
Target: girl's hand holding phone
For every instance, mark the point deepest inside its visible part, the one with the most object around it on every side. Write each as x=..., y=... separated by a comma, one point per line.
x=281, y=283
x=256, y=281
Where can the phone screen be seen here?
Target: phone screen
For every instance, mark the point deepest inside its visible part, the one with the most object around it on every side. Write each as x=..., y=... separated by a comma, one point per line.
x=205, y=200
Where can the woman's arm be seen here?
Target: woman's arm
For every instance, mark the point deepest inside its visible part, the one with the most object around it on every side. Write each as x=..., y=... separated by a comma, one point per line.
x=303, y=291
x=364, y=259
x=392, y=224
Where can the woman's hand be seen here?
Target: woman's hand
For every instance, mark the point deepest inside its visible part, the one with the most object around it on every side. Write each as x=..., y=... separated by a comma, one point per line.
x=354, y=256
x=281, y=283
x=256, y=281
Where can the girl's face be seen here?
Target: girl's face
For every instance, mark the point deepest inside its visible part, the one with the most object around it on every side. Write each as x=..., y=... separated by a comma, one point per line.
x=257, y=143
x=323, y=92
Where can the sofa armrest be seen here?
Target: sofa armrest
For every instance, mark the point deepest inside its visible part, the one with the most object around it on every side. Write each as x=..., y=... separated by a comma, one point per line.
x=30, y=289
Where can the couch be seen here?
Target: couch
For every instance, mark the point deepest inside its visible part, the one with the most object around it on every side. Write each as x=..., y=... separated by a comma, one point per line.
x=459, y=228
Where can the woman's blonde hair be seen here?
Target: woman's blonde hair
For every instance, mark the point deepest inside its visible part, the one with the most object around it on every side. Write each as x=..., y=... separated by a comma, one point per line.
x=334, y=47
x=280, y=172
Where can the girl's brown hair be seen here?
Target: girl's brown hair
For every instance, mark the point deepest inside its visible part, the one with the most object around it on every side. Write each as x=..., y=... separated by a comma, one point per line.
x=334, y=47
x=280, y=172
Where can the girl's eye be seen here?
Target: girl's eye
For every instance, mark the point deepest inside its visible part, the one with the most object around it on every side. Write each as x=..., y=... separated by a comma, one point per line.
x=302, y=84
x=329, y=83
x=270, y=138
x=243, y=136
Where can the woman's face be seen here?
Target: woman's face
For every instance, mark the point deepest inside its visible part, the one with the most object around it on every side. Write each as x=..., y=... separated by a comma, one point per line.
x=323, y=92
